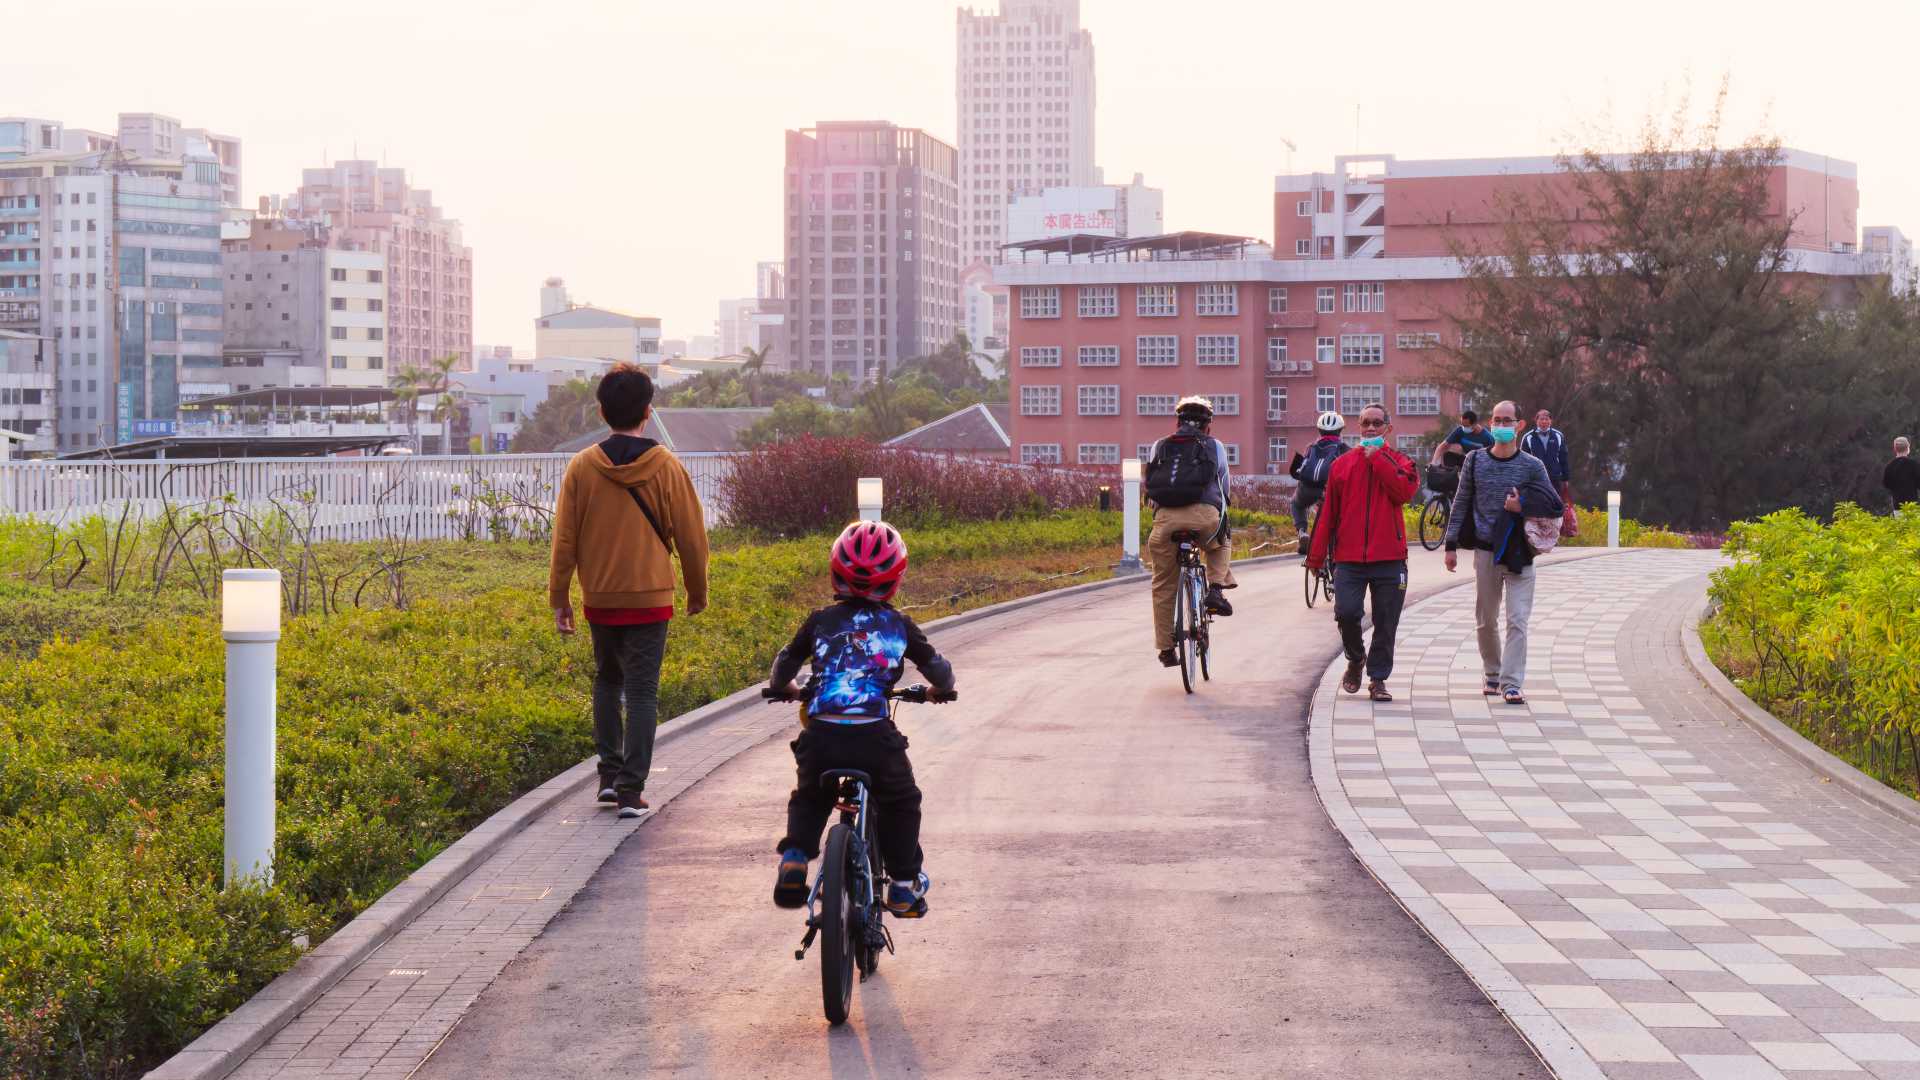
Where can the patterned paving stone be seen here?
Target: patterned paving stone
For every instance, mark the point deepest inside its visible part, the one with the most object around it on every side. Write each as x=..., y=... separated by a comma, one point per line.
x=1640, y=879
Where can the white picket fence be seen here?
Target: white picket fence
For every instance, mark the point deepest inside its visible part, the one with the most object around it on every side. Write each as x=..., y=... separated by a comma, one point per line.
x=347, y=498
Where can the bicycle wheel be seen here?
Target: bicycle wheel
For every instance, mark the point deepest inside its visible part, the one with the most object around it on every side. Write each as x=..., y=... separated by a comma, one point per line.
x=837, y=924
x=872, y=943
x=1190, y=610
x=1313, y=581
x=1433, y=521
x=1181, y=646
x=1204, y=637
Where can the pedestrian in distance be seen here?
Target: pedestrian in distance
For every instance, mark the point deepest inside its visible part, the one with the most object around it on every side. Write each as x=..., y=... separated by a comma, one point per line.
x=1499, y=489
x=626, y=507
x=1549, y=444
x=1901, y=477
x=1363, y=529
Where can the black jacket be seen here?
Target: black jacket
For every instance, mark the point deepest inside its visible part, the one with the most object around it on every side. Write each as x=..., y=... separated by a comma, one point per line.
x=1902, y=478
x=1510, y=546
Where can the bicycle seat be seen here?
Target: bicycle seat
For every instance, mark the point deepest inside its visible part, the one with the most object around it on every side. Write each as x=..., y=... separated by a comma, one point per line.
x=1185, y=536
x=832, y=777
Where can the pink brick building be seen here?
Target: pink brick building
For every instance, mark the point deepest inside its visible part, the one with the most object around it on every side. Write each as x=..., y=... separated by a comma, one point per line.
x=1346, y=308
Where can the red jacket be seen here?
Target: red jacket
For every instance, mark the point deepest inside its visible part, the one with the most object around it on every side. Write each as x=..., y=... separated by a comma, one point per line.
x=1365, y=495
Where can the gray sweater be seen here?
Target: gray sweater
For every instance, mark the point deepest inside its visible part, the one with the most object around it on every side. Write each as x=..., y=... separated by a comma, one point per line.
x=1485, y=481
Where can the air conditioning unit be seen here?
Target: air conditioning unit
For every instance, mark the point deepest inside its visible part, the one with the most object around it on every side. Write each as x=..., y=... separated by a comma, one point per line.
x=1273, y=468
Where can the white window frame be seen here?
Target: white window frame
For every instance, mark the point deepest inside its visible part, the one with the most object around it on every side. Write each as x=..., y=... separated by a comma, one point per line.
x=1214, y=298
x=1099, y=301
x=1143, y=451
x=1155, y=404
x=1277, y=448
x=1034, y=400
x=1160, y=343
x=1326, y=350
x=1099, y=453
x=1418, y=340
x=1233, y=453
x=1098, y=399
x=1303, y=247
x=1359, y=396
x=1407, y=444
x=1276, y=354
x=1276, y=402
x=1326, y=398
x=1039, y=356
x=1216, y=350
x=1225, y=404
x=1416, y=399
x=1099, y=356
x=1040, y=453
x=1303, y=208
x=1323, y=300
x=1156, y=301
x=1277, y=301
x=1363, y=350
x=1039, y=301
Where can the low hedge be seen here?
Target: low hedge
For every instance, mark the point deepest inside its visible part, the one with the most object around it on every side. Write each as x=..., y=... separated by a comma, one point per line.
x=399, y=730
x=1593, y=531
x=1820, y=624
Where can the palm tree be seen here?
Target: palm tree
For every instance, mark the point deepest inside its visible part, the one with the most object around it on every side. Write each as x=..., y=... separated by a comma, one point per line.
x=412, y=382
x=753, y=363
x=406, y=382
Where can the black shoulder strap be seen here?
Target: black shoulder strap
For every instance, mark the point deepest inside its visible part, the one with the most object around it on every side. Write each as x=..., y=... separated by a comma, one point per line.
x=651, y=519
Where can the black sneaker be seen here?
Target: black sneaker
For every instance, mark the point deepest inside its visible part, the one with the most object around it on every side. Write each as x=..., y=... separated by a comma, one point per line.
x=631, y=804
x=1167, y=659
x=790, y=886
x=607, y=794
x=1217, y=602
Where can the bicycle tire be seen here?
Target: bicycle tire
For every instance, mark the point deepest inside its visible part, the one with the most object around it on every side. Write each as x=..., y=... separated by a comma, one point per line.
x=1204, y=637
x=837, y=925
x=868, y=955
x=1433, y=521
x=1191, y=656
x=1180, y=644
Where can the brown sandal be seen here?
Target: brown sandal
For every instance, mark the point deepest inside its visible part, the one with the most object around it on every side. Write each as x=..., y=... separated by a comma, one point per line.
x=1350, y=682
x=1377, y=690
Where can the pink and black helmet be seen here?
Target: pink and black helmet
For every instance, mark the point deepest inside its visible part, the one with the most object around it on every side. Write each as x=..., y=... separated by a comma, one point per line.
x=869, y=559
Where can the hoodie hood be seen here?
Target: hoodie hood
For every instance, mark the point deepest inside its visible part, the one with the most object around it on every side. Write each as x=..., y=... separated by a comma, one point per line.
x=634, y=473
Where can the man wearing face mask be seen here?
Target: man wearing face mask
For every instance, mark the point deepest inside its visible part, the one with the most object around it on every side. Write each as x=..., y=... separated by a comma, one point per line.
x=1490, y=485
x=1363, y=528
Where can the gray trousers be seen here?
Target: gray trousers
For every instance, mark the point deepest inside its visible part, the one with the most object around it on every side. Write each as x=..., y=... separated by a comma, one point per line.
x=628, y=667
x=1508, y=667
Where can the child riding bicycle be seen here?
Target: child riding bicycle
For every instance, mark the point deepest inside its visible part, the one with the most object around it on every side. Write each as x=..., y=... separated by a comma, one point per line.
x=857, y=646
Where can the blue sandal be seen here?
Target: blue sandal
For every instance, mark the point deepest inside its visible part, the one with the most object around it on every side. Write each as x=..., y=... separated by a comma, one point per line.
x=1512, y=696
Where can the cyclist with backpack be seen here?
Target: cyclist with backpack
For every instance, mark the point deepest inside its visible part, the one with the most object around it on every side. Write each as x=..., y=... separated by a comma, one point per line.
x=1312, y=468
x=1189, y=487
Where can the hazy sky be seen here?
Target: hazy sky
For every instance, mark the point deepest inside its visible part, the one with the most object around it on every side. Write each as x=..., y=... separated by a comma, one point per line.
x=635, y=146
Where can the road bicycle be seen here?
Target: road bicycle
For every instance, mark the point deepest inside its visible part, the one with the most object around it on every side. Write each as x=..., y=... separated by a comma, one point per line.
x=845, y=908
x=1192, y=622
x=1319, y=582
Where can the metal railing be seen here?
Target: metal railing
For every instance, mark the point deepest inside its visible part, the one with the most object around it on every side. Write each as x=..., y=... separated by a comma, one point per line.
x=347, y=498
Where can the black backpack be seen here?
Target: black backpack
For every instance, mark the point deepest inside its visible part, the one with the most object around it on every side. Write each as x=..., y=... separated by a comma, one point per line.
x=1318, y=464
x=1181, y=469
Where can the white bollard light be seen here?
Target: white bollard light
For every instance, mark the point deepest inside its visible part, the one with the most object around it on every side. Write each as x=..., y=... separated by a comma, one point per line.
x=1613, y=519
x=1130, y=518
x=250, y=623
x=869, y=491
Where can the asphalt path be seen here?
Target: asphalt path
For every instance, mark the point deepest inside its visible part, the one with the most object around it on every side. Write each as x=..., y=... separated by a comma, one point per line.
x=1127, y=882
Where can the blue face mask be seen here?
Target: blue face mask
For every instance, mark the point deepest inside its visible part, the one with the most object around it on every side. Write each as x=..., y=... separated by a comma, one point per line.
x=1376, y=441
x=1503, y=434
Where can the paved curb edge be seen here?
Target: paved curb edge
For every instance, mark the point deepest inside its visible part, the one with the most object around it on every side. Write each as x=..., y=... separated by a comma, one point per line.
x=1782, y=734
x=223, y=1047
x=1556, y=1048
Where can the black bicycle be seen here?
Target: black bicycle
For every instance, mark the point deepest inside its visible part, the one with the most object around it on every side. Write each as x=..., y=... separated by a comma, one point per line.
x=1439, y=505
x=846, y=901
x=1319, y=583
x=1192, y=622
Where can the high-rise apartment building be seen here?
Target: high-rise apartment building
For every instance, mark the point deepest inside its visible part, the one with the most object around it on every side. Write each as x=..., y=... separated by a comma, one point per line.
x=1026, y=99
x=429, y=270
x=289, y=289
x=114, y=254
x=872, y=246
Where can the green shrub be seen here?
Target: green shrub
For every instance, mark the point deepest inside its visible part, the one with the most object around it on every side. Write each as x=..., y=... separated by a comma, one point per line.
x=1821, y=625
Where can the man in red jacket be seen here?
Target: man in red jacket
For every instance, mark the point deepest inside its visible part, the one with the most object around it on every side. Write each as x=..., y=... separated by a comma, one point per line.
x=1364, y=529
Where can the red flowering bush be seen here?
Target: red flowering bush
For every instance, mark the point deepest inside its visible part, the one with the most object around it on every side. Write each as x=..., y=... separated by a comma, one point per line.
x=807, y=485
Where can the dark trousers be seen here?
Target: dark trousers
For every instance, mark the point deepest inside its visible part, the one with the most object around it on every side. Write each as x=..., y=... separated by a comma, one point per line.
x=628, y=662
x=877, y=749
x=1387, y=581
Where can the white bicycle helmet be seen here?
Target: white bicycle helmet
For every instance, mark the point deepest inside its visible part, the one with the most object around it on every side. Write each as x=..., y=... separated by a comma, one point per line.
x=1331, y=423
x=1195, y=406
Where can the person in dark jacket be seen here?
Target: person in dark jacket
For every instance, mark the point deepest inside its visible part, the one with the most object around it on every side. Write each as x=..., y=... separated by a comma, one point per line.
x=1549, y=444
x=1363, y=528
x=1901, y=477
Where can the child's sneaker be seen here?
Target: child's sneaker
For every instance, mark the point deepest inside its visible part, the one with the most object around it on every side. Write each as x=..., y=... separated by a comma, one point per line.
x=908, y=900
x=790, y=887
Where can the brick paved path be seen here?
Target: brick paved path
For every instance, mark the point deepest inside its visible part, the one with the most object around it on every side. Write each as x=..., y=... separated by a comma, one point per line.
x=1644, y=884
x=388, y=1015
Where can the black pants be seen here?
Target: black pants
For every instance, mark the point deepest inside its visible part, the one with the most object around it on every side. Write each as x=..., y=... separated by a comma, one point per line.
x=1388, y=583
x=877, y=749
x=628, y=661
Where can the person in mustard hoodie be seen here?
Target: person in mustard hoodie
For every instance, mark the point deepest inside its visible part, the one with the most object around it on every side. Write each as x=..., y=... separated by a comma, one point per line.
x=626, y=505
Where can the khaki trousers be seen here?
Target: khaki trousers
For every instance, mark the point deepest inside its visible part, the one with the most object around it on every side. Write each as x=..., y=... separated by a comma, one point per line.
x=1164, y=555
